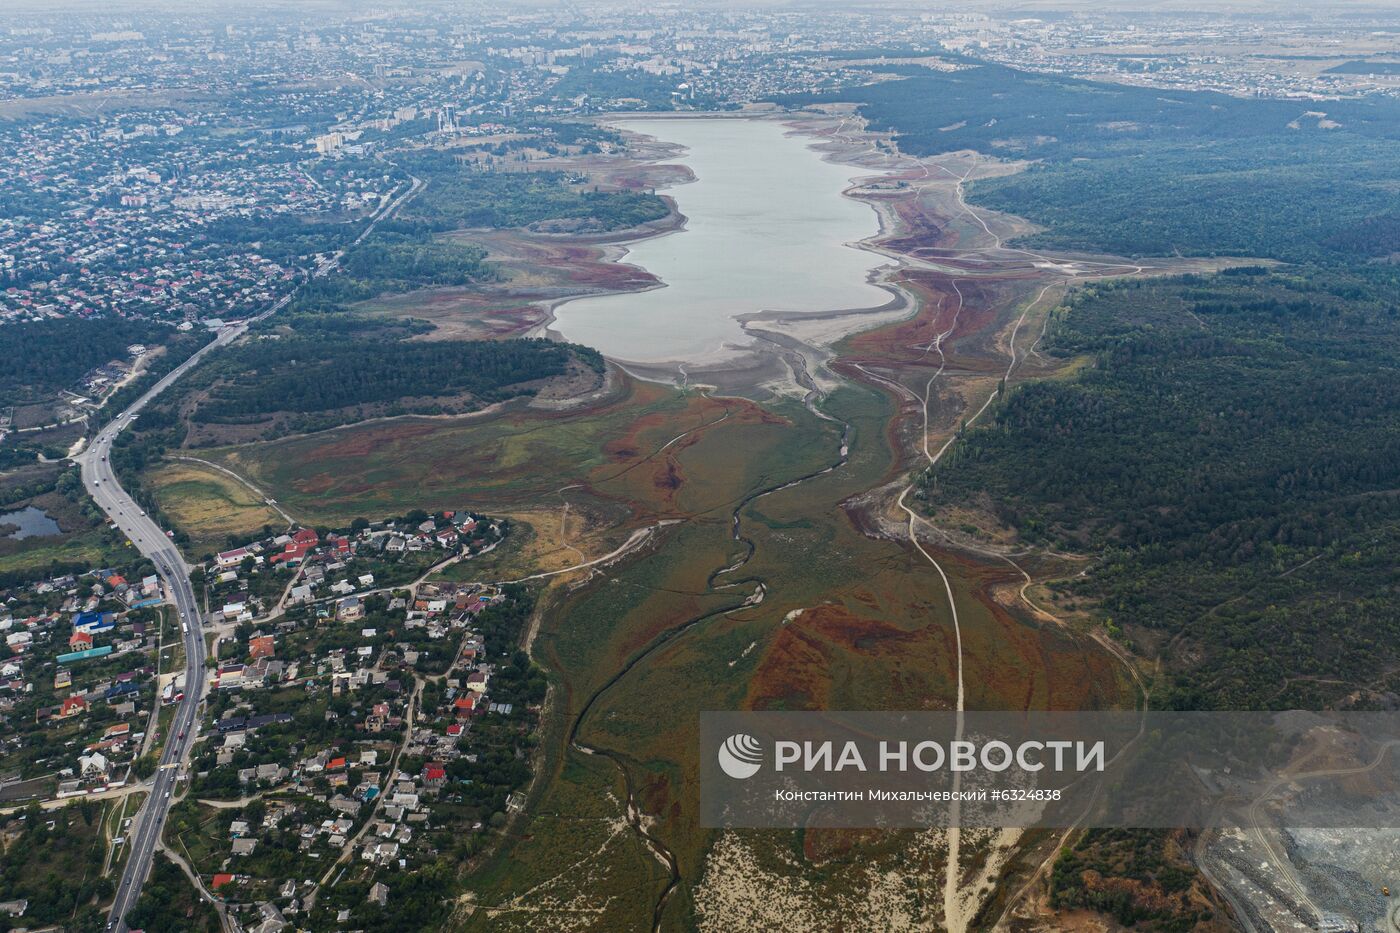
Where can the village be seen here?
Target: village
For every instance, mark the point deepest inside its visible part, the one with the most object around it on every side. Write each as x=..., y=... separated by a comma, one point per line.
x=78, y=688
x=362, y=720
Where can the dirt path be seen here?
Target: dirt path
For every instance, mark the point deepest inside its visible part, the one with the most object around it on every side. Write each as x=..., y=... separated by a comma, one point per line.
x=245, y=483
x=220, y=908
x=353, y=842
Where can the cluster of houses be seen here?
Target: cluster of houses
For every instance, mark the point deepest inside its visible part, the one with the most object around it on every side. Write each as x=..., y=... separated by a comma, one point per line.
x=61, y=636
x=126, y=235
x=323, y=566
x=351, y=794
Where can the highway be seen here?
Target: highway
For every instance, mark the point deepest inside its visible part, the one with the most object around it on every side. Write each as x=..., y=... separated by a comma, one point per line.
x=154, y=543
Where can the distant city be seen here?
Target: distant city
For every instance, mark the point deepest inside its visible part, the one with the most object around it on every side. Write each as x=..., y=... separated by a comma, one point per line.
x=145, y=143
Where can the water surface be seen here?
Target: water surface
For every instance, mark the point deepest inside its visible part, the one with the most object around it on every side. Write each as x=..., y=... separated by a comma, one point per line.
x=767, y=230
x=29, y=521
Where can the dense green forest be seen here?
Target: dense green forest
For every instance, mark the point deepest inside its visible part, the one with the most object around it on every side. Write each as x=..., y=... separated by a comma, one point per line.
x=1126, y=169
x=43, y=357
x=1365, y=68
x=1302, y=197
x=461, y=196
x=1231, y=459
x=328, y=366
x=652, y=92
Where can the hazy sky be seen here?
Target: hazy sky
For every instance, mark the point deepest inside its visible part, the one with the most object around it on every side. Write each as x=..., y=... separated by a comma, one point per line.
x=117, y=7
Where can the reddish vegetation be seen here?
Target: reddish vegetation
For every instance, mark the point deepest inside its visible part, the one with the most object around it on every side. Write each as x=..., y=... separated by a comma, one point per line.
x=828, y=644
x=365, y=442
x=639, y=448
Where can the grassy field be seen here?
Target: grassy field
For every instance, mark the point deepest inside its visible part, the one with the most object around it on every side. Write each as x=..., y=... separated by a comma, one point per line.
x=870, y=632
x=208, y=505
x=502, y=463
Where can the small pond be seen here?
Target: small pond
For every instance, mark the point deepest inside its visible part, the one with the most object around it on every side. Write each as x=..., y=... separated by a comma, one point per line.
x=28, y=522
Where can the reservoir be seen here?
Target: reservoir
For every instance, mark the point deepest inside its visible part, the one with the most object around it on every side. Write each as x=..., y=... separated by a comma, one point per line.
x=767, y=229
x=28, y=522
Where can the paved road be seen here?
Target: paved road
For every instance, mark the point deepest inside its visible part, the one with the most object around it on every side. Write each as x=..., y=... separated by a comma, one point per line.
x=153, y=542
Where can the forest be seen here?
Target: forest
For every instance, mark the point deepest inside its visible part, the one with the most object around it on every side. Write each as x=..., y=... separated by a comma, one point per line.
x=1125, y=169
x=313, y=371
x=460, y=196
x=1300, y=198
x=1002, y=111
x=1365, y=68
x=1148, y=879
x=1230, y=461
x=44, y=357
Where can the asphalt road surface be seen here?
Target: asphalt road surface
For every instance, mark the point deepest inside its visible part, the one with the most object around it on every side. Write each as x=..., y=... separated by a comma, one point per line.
x=148, y=537
x=153, y=542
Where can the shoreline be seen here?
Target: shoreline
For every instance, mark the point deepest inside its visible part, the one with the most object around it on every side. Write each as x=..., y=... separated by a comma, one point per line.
x=753, y=369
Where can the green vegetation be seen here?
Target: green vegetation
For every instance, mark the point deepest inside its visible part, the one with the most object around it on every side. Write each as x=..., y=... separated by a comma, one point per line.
x=1364, y=68
x=1002, y=111
x=169, y=902
x=629, y=89
x=304, y=374
x=401, y=256
x=1232, y=456
x=50, y=860
x=43, y=357
x=1127, y=169
x=1129, y=875
x=415, y=900
x=213, y=509
x=178, y=348
x=84, y=541
x=458, y=196
x=1304, y=197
